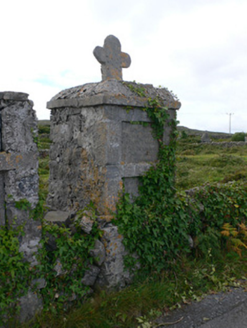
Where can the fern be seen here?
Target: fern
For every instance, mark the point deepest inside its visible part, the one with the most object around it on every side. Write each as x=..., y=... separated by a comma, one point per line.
x=236, y=237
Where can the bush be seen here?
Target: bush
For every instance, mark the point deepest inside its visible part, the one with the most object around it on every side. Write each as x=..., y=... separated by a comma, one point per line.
x=239, y=136
x=44, y=129
x=184, y=135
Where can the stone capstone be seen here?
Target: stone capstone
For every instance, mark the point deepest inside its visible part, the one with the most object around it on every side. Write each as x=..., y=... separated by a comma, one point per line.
x=10, y=95
x=112, y=92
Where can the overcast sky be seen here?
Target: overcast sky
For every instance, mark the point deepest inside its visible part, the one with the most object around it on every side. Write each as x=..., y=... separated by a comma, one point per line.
x=196, y=48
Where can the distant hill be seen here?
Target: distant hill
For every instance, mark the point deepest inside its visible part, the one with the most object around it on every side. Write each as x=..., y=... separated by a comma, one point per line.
x=180, y=129
x=44, y=122
x=211, y=134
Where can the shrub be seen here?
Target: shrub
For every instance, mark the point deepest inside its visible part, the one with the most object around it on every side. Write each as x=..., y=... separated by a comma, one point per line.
x=184, y=135
x=239, y=136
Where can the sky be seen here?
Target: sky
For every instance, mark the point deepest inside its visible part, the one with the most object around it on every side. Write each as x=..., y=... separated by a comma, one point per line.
x=195, y=48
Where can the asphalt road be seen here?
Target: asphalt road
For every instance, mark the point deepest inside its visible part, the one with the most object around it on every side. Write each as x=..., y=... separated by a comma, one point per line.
x=222, y=310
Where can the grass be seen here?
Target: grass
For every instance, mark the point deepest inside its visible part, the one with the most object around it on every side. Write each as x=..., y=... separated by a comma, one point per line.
x=43, y=177
x=44, y=142
x=149, y=297
x=188, y=279
x=199, y=163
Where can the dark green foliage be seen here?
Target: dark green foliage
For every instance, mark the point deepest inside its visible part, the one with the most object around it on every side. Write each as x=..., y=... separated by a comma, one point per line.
x=184, y=135
x=44, y=141
x=239, y=136
x=224, y=203
x=44, y=129
x=14, y=272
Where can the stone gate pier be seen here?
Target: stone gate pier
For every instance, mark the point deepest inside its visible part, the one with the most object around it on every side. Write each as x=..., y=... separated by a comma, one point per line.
x=19, y=180
x=101, y=136
x=18, y=154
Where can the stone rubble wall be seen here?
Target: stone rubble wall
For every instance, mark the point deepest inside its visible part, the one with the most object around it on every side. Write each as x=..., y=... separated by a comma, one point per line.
x=107, y=270
x=19, y=177
x=228, y=144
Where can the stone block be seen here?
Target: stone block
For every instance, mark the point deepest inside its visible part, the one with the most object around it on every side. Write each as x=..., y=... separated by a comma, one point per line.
x=10, y=95
x=59, y=268
x=113, y=273
x=86, y=224
x=58, y=217
x=39, y=283
x=98, y=252
x=30, y=304
x=131, y=186
x=138, y=143
x=90, y=275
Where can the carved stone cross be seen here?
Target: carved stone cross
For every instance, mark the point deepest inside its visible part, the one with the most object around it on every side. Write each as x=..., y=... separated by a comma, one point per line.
x=112, y=59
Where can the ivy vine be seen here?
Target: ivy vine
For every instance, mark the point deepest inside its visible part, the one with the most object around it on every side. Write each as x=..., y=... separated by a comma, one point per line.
x=155, y=225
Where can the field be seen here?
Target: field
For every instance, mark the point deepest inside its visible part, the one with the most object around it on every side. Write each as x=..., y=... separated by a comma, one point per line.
x=199, y=163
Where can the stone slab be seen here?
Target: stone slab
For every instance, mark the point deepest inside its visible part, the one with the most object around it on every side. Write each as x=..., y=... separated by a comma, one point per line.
x=138, y=143
x=107, y=99
x=10, y=95
x=112, y=92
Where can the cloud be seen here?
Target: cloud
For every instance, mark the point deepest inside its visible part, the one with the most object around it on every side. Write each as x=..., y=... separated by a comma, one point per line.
x=195, y=48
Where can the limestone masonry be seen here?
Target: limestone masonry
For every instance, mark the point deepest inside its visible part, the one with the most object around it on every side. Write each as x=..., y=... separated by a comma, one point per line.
x=18, y=153
x=95, y=145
